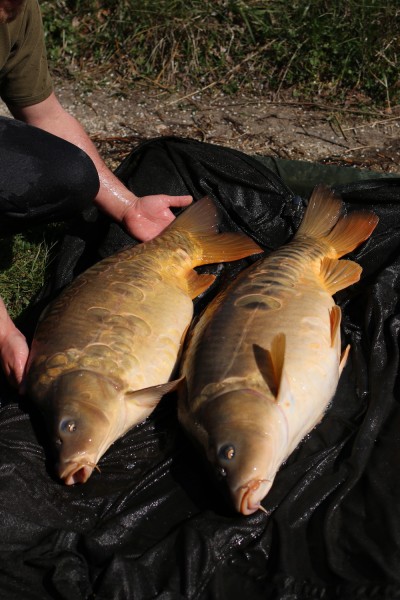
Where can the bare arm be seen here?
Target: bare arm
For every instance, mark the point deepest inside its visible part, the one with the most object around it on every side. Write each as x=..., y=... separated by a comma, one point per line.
x=142, y=217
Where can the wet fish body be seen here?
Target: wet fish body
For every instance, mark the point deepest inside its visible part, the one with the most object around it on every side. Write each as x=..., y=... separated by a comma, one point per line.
x=264, y=359
x=104, y=350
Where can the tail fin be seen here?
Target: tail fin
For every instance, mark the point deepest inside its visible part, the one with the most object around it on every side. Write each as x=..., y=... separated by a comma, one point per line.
x=322, y=220
x=201, y=220
x=322, y=213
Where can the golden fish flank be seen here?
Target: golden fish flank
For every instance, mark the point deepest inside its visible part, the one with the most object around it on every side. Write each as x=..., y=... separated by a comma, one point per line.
x=105, y=349
x=264, y=359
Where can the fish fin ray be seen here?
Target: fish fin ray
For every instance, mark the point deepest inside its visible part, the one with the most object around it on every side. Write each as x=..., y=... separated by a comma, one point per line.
x=226, y=247
x=201, y=219
x=351, y=231
x=343, y=359
x=322, y=220
x=322, y=213
x=198, y=283
x=265, y=366
x=335, y=317
x=339, y=274
x=271, y=364
x=149, y=397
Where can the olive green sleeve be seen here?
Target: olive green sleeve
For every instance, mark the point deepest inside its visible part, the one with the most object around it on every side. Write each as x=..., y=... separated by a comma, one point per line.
x=25, y=77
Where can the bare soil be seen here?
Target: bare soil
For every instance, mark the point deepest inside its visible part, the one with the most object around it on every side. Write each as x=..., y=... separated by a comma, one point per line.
x=347, y=134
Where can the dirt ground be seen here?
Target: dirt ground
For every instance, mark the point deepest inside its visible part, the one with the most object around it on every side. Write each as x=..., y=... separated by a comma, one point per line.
x=313, y=131
x=348, y=134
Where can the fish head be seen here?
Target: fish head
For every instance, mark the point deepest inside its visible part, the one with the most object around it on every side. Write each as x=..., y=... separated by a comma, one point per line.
x=81, y=419
x=246, y=441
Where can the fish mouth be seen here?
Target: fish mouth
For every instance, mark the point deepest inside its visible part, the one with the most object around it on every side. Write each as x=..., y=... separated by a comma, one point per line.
x=77, y=472
x=251, y=494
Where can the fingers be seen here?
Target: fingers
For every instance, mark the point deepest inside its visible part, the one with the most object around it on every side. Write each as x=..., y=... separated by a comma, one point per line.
x=160, y=201
x=14, y=353
x=178, y=201
x=151, y=214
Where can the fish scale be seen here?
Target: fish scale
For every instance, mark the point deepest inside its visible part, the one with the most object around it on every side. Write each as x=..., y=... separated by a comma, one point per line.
x=263, y=361
x=106, y=348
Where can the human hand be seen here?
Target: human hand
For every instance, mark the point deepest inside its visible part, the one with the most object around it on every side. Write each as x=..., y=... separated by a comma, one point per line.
x=13, y=357
x=149, y=215
x=13, y=349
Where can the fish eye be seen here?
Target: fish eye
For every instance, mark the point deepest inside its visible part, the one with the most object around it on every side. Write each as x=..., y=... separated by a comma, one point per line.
x=227, y=452
x=68, y=426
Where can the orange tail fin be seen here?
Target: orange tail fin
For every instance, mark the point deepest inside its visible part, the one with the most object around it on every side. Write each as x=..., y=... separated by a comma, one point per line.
x=322, y=220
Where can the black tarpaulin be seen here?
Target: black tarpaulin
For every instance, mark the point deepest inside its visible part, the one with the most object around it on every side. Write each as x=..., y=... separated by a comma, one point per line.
x=152, y=524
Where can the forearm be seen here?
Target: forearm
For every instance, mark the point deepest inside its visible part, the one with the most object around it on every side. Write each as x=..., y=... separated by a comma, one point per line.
x=113, y=197
x=143, y=217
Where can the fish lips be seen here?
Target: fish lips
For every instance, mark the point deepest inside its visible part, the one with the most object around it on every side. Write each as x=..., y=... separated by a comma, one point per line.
x=74, y=472
x=248, y=497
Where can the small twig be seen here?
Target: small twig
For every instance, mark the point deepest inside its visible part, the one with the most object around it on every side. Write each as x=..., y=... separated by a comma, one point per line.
x=360, y=148
x=340, y=127
x=282, y=79
x=312, y=105
x=383, y=122
x=319, y=137
x=114, y=138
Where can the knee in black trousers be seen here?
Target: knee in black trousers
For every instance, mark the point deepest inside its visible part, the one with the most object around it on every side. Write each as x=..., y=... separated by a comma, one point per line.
x=43, y=178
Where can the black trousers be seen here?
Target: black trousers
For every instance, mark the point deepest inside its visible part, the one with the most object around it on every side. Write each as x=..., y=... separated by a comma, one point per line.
x=43, y=178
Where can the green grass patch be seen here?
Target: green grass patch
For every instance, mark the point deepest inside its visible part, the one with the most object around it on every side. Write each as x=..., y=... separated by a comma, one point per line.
x=24, y=259
x=319, y=47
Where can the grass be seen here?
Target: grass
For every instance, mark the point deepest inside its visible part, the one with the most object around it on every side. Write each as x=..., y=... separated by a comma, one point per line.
x=24, y=259
x=318, y=46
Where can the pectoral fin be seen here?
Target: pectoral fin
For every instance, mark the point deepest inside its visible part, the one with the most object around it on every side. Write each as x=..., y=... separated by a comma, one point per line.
x=271, y=366
x=343, y=359
x=335, y=317
x=151, y=396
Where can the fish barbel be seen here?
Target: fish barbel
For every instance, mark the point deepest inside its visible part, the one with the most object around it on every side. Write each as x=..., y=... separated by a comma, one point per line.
x=263, y=361
x=104, y=350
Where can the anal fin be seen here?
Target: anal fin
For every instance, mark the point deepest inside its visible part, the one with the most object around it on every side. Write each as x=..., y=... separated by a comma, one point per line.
x=339, y=274
x=197, y=283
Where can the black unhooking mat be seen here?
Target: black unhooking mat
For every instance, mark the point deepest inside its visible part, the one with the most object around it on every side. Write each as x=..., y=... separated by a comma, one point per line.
x=152, y=524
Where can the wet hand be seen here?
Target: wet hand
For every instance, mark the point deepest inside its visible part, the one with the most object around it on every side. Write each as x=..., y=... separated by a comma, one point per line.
x=149, y=215
x=13, y=356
